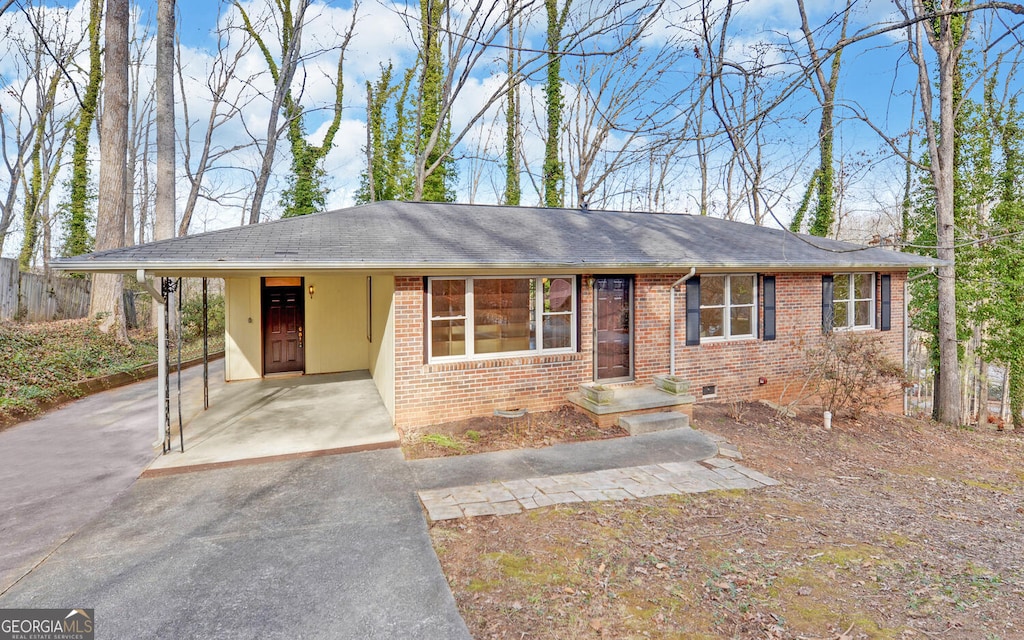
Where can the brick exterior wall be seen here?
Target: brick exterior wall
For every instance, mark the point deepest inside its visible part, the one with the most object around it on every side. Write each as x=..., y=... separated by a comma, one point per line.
x=735, y=366
x=434, y=393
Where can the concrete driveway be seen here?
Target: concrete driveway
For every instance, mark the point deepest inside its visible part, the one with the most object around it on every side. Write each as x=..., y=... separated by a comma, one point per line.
x=60, y=470
x=330, y=547
x=319, y=547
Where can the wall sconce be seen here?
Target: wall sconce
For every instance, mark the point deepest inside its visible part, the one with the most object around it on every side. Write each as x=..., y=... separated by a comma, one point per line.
x=312, y=290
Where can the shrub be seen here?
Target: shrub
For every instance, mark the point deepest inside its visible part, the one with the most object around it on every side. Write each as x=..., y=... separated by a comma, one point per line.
x=192, y=317
x=851, y=372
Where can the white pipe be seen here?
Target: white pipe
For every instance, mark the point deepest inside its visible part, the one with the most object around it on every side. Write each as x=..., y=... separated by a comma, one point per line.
x=672, y=319
x=161, y=367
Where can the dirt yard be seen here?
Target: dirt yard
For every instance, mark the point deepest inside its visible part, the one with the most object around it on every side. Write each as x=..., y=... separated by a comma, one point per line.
x=884, y=528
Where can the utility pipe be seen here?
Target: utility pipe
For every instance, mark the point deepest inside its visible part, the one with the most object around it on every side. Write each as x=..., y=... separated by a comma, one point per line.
x=672, y=319
x=161, y=309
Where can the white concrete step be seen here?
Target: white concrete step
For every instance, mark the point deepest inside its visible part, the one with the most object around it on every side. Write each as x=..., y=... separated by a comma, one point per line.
x=651, y=422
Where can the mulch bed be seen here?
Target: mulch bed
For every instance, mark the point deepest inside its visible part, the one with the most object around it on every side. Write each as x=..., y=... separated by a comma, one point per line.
x=493, y=433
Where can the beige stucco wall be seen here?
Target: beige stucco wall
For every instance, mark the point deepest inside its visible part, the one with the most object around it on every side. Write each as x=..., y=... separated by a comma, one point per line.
x=382, y=346
x=242, y=344
x=335, y=329
x=336, y=321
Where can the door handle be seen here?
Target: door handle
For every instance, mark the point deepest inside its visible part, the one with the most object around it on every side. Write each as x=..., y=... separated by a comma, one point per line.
x=300, y=337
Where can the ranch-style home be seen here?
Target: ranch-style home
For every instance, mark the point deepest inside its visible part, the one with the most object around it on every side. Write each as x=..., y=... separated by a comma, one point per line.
x=459, y=310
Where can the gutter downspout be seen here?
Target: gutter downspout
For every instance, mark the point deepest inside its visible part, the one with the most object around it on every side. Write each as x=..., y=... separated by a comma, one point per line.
x=161, y=308
x=672, y=319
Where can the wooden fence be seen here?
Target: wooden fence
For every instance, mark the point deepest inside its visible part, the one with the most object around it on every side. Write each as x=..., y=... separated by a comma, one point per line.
x=32, y=297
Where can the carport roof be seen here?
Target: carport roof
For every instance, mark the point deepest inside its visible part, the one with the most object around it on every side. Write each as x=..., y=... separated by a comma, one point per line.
x=423, y=238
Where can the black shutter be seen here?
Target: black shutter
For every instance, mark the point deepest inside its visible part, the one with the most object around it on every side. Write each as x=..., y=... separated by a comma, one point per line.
x=768, y=295
x=693, y=311
x=827, y=311
x=885, y=321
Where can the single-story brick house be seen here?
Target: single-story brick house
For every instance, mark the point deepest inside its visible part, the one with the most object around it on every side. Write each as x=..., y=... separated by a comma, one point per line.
x=458, y=310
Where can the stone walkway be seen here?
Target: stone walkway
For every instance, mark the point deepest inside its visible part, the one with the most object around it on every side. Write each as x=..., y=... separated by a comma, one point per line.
x=503, y=498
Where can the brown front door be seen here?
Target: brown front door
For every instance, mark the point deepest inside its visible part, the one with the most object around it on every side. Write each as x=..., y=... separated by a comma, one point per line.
x=283, y=326
x=613, y=328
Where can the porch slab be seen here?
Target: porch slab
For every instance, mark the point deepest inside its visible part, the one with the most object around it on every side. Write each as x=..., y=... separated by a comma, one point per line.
x=635, y=400
x=278, y=418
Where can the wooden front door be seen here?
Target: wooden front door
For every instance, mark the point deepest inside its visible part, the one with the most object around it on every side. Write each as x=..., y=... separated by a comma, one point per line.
x=284, y=347
x=613, y=328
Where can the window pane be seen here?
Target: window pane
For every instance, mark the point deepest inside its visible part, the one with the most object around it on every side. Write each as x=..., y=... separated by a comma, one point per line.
x=862, y=313
x=741, y=321
x=741, y=290
x=557, y=332
x=840, y=310
x=502, y=315
x=448, y=298
x=712, y=290
x=710, y=320
x=557, y=294
x=862, y=286
x=841, y=290
x=448, y=338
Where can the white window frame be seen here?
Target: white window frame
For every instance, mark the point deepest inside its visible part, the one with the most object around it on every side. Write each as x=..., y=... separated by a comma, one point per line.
x=470, y=319
x=851, y=301
x=727, y=307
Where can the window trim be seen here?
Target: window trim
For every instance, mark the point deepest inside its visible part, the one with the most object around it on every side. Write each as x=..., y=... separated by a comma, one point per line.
x=727, y=306
x=470, y=319
x=851, y=300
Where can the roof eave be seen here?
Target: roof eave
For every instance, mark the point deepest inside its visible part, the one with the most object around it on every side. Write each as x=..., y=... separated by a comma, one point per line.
x=222, y=269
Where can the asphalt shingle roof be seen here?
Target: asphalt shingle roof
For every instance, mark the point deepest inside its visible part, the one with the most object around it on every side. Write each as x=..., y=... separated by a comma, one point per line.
x=421, y=237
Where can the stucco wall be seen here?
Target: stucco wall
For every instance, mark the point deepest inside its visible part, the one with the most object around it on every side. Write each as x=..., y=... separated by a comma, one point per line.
x=243, y=351
x=335, y=327
x=336, y=317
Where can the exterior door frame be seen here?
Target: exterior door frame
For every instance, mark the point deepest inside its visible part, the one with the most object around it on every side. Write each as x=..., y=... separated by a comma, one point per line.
x=631, y=284
x=264, y=321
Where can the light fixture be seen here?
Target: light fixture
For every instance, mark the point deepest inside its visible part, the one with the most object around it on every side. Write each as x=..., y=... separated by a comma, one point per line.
x=312, y=290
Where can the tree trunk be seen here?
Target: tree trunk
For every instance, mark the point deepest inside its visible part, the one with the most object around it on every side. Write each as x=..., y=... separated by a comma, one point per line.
x=78, y=233
x=107, y=304
x=163, y=212
x=982, y=392
x=946, y=39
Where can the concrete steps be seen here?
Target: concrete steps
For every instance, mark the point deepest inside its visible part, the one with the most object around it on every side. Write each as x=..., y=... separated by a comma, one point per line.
x=651, y=422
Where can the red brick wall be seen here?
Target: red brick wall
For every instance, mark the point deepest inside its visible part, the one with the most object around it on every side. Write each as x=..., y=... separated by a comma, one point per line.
x=734, y=366
x=433, y=393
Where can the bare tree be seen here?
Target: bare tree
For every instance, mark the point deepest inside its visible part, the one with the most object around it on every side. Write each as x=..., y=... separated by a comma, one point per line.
x=823, y=178
x=223, y=73
x=619, y=109
x=17, y=134
x=140, y=129
x=283, y=72
x=305, y=193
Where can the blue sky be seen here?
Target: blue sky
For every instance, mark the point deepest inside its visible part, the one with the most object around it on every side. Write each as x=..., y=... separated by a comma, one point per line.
x=878, y=80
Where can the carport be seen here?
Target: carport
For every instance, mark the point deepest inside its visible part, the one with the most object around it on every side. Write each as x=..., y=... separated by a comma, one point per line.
x=281, y=417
